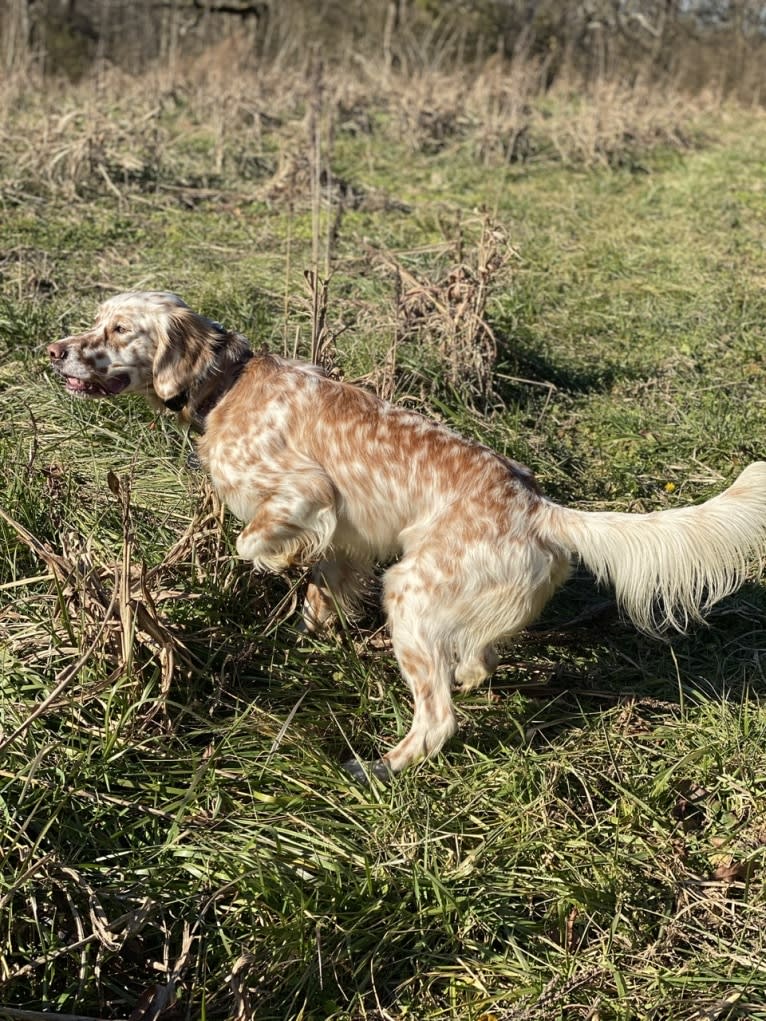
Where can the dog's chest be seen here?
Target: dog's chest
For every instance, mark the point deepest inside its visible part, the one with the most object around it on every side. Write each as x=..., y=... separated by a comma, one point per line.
x=236, y=460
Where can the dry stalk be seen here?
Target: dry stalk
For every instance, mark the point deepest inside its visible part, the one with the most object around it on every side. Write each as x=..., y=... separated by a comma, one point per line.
x=117, y=604
x=321, y=124
x=321, y=338
x=114, y=933
x=448, y=314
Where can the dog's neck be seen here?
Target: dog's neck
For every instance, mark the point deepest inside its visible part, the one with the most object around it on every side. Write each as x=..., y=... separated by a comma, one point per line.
x=194, y=405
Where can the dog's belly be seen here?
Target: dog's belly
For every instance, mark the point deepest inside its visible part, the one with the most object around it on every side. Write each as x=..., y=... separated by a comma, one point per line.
x=359, y=542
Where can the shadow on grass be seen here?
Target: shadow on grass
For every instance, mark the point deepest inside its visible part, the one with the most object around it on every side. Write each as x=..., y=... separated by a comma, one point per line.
x=522, y=358
x=580, y=659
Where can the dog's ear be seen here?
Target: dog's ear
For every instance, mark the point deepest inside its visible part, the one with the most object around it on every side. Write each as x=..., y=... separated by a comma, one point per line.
x=186, y=352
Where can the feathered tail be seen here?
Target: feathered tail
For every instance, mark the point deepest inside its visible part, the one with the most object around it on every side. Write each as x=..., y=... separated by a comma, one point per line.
x=668, y=567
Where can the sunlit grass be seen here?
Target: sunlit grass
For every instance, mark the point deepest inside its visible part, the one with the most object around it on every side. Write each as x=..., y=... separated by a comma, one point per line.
x=181, y=829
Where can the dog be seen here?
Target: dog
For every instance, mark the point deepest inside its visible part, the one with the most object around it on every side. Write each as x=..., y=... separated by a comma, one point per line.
x=324, y=473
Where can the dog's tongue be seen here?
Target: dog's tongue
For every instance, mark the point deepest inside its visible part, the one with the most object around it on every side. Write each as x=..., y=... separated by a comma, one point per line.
x=109, y=387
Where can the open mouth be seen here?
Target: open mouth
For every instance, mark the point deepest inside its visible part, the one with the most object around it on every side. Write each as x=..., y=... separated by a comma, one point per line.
x=87, y=388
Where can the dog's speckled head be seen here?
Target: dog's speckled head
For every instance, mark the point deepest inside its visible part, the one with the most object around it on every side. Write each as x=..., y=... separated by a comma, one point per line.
x=147, y=342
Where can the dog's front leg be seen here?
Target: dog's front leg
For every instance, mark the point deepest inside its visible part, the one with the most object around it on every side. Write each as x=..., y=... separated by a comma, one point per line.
x=336, y=584
x=294, y=523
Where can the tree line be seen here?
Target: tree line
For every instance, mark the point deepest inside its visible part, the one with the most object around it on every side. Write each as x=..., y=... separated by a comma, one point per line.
x=693, y=42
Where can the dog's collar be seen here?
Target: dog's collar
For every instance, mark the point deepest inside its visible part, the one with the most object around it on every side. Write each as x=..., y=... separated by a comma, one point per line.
x=199, y=411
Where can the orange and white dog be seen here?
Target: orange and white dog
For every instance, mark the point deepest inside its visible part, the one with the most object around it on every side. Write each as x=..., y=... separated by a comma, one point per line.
x=324, y=472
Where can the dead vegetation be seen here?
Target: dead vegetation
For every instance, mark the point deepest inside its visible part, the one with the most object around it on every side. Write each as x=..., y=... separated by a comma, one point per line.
x=667, y=42
x=116, y=613
x=109, y=612
x=185, y=136
x=444, y=314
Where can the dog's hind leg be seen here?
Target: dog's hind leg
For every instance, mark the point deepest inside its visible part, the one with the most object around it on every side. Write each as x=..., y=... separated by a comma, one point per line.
x=472, y=670
x=424, y=657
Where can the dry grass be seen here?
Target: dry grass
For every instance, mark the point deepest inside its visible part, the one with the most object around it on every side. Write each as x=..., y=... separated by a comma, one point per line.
x=194, y=131
x=444, y=314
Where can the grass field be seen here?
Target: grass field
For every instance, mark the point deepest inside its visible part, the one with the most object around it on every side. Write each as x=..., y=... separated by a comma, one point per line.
x=176, y=832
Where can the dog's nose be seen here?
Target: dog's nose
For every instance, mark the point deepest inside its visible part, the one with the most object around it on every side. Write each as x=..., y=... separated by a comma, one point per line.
x=58, y=350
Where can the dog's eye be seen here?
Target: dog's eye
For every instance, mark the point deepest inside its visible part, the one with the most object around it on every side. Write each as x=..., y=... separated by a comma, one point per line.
x=119, y=328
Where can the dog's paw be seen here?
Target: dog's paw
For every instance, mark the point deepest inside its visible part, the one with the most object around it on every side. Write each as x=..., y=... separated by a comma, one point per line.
x=364, y=772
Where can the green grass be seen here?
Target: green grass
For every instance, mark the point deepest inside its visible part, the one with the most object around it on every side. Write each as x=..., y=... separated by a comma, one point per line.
x=591, y=846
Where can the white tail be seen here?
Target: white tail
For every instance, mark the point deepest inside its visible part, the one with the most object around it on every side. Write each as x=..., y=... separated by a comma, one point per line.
x=669, y=567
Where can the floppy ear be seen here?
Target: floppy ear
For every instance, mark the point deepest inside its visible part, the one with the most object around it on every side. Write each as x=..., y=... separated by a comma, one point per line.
x=185, y=354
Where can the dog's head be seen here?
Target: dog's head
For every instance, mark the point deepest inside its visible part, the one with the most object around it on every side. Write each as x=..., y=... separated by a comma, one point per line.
x=147, y=342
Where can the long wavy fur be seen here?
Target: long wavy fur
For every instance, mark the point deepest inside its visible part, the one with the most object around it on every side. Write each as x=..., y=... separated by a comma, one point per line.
x=669, y=567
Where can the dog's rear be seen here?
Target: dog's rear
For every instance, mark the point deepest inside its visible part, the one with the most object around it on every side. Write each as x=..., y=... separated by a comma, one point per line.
x=321, y=470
